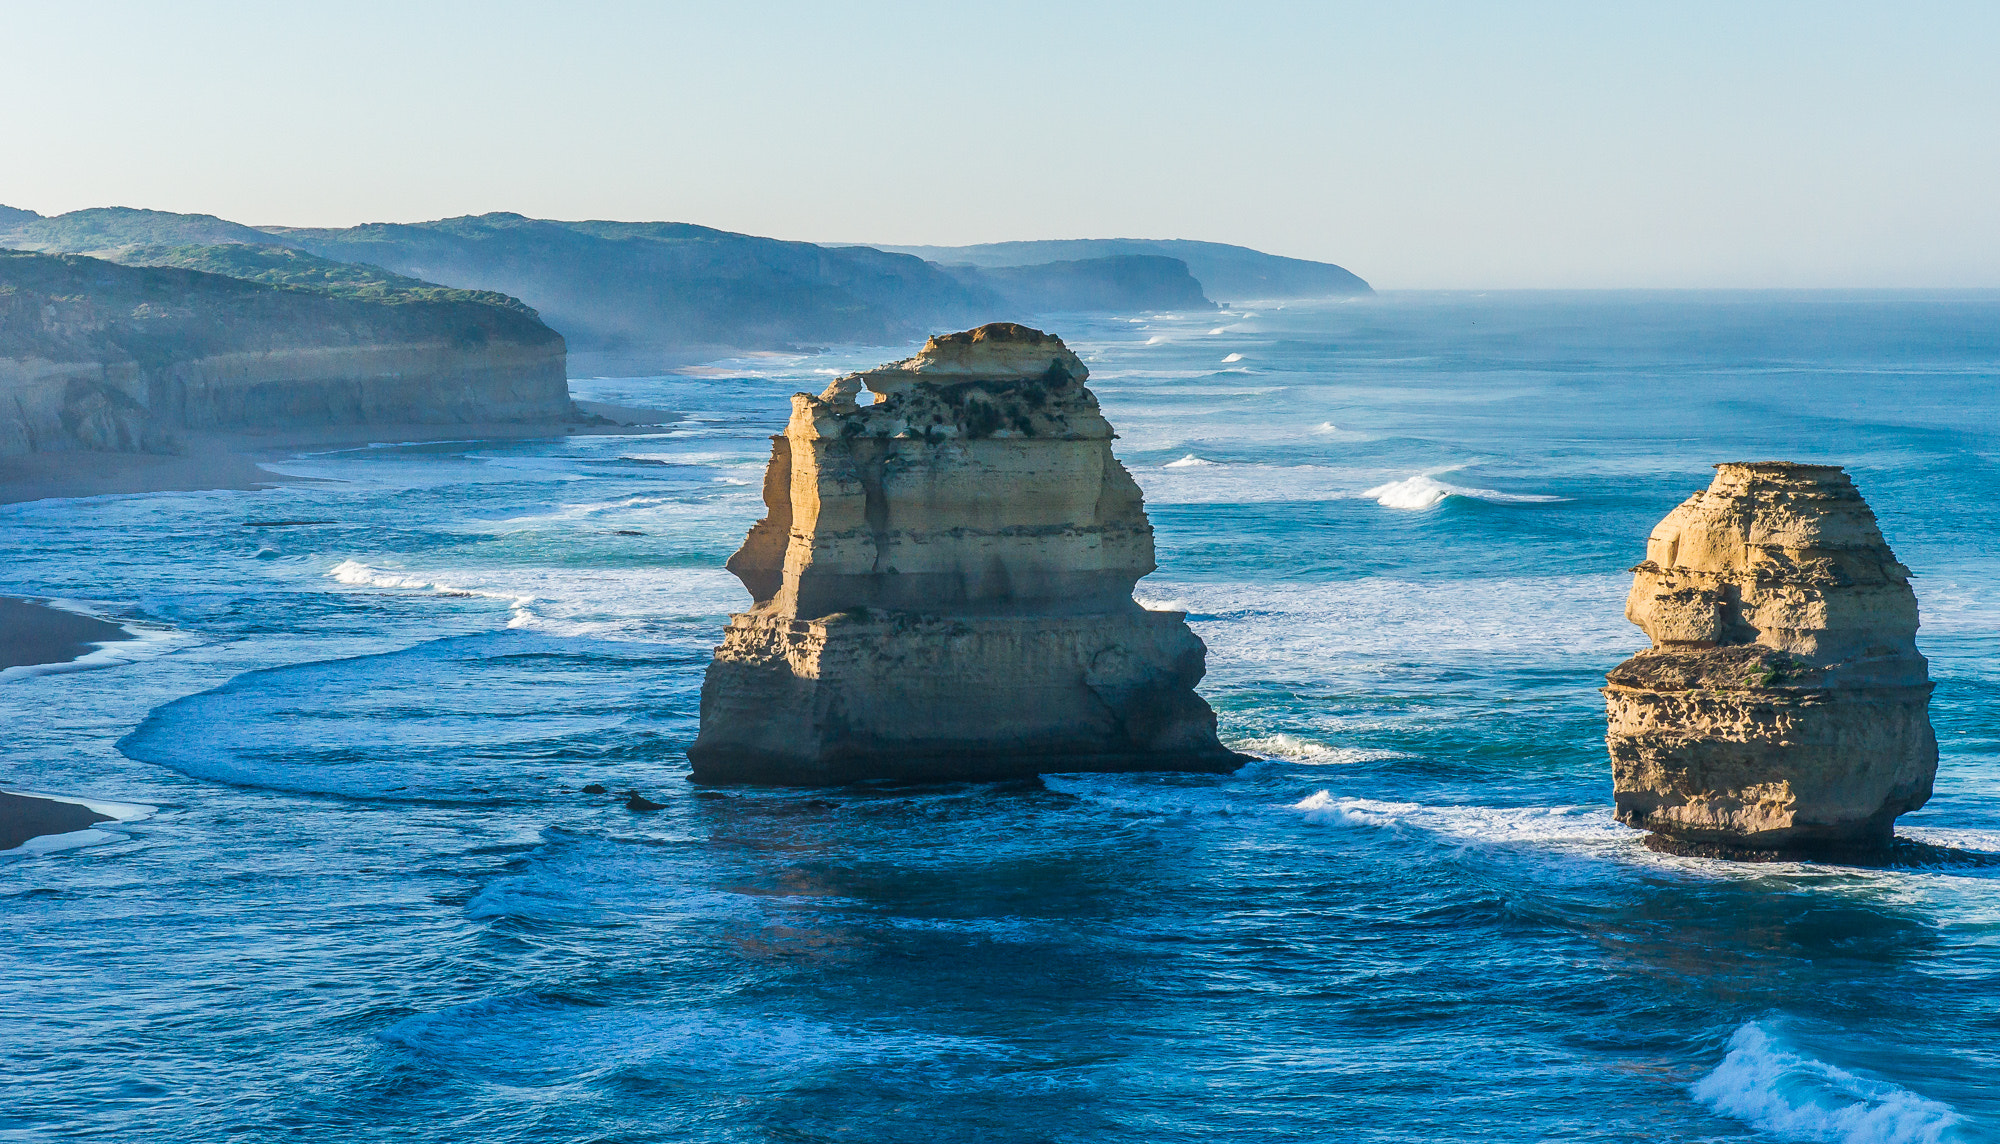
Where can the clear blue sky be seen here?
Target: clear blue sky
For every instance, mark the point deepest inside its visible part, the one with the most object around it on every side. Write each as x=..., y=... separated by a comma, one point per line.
x=1421, y=145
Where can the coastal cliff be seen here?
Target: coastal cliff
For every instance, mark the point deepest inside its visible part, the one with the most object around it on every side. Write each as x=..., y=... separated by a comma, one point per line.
x=100, y=356
x=1783, y=706
x=942, y=587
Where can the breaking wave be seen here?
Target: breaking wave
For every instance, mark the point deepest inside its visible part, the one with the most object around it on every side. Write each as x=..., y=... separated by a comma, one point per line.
x=1426, y=491
x=1294, y=749
x=358, y=575
x=1566, y=824
x=1778, y=1090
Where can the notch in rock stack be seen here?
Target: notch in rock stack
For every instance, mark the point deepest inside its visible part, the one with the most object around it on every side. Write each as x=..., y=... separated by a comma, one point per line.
x=942, y=588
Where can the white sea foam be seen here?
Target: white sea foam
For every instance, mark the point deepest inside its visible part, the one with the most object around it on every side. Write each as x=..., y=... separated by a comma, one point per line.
x=1187, y=462
x=1231, y=358
x=1957, y=838
x=358, y=575
x=1330, y=431
x=1296, y=749
x=1156, y=339
x=1786, y=1093
x=1322, y=806
x=1426, y=491
x=1585, y=825
x=119, y=812
x=149, y=641
x=599, y=603
x=1251, y=482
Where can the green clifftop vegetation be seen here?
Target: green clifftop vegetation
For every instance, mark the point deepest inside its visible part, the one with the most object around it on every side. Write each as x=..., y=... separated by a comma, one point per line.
x=68, y=307
x=99, y=355
x=107, y=228
x=291, y=269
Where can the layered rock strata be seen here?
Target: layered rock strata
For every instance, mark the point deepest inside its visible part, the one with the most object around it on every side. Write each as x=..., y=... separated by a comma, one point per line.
x=1783, y=707
x=943, y=588
x=99, y=356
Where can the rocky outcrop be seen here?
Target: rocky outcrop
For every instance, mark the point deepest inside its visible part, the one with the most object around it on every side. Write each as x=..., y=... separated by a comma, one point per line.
x=943, y=588
x=99, y=356
x=1783, y=707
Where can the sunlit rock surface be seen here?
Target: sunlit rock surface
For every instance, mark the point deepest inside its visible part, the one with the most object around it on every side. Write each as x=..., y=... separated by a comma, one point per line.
x=1783, y=705
x=943, y=587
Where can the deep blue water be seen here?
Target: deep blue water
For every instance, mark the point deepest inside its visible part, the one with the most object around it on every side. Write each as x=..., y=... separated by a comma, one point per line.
x=373, y=904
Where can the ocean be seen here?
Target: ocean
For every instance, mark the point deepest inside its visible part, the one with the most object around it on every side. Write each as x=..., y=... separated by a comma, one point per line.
x=360, y=894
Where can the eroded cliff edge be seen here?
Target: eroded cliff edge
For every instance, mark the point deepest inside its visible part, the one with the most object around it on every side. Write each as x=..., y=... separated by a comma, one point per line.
x=1783, y=707
x=100, y=356
x=943, y=588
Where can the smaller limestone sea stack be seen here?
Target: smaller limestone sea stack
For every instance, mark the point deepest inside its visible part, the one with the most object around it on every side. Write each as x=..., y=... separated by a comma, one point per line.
x=1783, y=708
x=943, y=588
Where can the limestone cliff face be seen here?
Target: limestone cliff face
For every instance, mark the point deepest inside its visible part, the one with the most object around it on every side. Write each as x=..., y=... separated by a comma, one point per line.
x=943, y=587
x=98, y=356
x=1784, y=704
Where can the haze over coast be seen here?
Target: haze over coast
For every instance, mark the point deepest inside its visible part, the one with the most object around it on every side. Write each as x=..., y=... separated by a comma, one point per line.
x=509, y=633
x=206, y=343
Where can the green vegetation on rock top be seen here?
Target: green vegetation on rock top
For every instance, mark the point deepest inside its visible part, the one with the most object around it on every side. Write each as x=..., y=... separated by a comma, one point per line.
x=292, y=269
x=105, y=228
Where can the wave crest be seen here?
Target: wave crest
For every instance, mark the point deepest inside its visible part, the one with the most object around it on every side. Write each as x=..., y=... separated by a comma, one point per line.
x=1426, y=491
x=1786, y=1093
x=1295, y=749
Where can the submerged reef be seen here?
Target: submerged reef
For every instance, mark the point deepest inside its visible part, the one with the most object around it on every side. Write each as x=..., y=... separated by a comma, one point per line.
x=1783, y=707
x=943, y=588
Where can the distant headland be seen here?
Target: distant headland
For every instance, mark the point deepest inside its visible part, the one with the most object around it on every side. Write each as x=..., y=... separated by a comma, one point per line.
x=636, y=297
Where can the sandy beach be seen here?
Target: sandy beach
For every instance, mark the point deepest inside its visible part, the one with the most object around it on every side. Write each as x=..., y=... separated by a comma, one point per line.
x=33, y=634
x=23, y=817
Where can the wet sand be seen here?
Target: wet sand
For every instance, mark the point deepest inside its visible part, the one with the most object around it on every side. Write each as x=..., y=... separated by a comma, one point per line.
x=33, y=634
x=23, y=817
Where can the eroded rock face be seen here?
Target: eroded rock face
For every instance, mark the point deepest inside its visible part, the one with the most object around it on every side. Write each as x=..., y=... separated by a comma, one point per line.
x=943, y=587
x=1784, y=705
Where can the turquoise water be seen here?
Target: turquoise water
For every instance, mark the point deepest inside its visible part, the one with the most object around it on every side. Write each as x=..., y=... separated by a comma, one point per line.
x=372, y=902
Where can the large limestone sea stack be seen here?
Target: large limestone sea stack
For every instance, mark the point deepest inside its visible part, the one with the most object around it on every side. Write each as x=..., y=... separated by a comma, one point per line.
x=1783, y=708
x=943, y=588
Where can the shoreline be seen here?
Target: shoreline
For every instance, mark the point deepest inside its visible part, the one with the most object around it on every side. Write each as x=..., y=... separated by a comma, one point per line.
x=234, y=461
x=37, y=635
x=26, y=817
